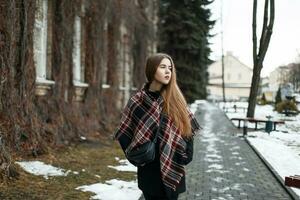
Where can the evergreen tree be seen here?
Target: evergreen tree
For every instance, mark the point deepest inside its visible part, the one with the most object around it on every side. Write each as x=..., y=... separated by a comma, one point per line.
x=183, y=33
x=278, y=96
x=263, y=100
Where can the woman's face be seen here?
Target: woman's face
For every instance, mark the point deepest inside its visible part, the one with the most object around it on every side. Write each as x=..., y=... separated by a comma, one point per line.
x=164, y=72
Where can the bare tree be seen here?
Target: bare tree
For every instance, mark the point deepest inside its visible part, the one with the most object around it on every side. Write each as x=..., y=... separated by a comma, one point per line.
x=294, y=76
x=260, y=52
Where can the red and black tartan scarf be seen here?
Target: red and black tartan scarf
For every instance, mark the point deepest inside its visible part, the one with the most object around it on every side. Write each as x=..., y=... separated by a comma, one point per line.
x=140, y=117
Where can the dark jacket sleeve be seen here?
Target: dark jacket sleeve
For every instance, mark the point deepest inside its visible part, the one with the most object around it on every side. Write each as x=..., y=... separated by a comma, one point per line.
x=189, y=151
x=124, y=142
x=125, y=130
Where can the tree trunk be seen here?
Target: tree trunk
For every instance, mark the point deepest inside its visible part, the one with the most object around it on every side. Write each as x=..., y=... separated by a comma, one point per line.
x=258, y=58
x=7, y=168
x=253, y=91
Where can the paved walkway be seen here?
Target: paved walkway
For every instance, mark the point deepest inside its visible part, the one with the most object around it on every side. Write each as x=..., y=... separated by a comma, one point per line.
x=224, y=166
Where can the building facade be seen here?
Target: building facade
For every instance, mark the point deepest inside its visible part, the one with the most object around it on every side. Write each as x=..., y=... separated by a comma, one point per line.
x=278, y=78
x=265, y=88
x=237, y=78
x=69, y=67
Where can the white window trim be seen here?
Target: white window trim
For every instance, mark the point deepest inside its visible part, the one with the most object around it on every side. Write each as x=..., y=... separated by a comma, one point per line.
x=80, y=84
x=41, y=50
x=44, y=81
x=105, y=86
x=76, y=54
x=123, y=88
x=77, y=50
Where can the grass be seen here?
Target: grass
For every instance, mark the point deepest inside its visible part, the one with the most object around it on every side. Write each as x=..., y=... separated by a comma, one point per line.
x=88, y=158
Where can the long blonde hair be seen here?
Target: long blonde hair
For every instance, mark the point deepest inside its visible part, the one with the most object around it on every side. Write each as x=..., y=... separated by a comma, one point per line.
x=175, y=105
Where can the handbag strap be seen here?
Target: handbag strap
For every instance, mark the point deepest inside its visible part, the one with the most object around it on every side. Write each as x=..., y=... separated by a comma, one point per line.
x=158, y=129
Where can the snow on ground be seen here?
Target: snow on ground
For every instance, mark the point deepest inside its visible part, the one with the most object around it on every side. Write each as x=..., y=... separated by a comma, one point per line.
x=280, y=148
x=283, y=158
x=125, y=166
x=286, y=141
x=213, y=155
x=118, y=188
x=110, y=190
x=193, y=107
x=291, y=125
x=113, y=189
x=39, y=168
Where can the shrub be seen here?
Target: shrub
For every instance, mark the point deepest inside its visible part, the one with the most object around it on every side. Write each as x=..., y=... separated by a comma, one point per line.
x=286, y=105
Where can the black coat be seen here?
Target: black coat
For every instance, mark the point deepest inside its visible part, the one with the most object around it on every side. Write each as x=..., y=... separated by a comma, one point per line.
x=149, y=177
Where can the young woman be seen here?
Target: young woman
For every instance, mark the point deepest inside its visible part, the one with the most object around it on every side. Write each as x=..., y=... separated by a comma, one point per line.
x=160, y=105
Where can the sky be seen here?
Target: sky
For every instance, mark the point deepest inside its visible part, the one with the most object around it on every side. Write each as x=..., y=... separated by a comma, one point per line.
x=284, y=46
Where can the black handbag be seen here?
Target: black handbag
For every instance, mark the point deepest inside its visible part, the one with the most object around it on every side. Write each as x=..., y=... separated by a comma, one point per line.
x=144, y=153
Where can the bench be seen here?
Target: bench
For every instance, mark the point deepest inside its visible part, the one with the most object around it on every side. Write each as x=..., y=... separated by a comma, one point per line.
x=290, y=112
x=292, y=181
x=256, y=121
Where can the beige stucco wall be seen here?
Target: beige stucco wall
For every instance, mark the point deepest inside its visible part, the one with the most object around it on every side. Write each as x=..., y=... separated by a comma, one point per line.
x=237, y=78
x=277, y=77
x=232, y=93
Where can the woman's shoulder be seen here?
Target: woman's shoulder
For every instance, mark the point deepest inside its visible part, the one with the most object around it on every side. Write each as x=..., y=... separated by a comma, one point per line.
x=136, y=98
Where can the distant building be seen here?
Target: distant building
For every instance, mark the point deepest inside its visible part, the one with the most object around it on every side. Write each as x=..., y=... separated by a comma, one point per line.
x=287, y=91
x=265, y=88
x=237, y=78
x=278, y=77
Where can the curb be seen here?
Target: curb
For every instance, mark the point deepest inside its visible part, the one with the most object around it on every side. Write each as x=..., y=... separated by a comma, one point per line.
x=292, y=194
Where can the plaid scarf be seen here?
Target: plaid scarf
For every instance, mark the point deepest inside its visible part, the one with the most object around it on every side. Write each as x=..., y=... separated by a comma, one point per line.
x=140, y=117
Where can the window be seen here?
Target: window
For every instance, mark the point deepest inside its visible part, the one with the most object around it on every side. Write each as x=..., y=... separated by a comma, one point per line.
x=240, y=76
x=126, y=82
x=125, y=62
x=78, y=67
x=40, y=42
x=106, y=76
x=228, y=76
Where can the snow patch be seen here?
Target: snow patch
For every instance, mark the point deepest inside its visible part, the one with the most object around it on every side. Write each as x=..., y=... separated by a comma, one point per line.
x=216, y=166
x=286, y=165
x=113, y=189
x=41, y=169
x=125, y=166
x=219, y=179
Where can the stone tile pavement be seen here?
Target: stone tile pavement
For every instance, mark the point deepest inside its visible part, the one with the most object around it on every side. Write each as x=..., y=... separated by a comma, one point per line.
x=224, y=167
